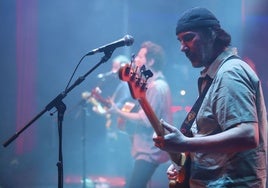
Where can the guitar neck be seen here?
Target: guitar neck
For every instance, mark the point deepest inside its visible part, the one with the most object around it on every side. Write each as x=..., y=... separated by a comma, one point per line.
x=155, y=123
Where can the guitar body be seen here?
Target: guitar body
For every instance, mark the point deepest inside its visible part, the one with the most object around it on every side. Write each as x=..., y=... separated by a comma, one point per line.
x=182, y=182
x=137, y=83
x=99, y=104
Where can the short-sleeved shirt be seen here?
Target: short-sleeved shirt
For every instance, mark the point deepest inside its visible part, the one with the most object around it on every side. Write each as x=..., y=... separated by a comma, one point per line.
x=235, y=96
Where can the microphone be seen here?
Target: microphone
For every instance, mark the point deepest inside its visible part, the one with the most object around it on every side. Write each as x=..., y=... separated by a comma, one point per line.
x=127, y=40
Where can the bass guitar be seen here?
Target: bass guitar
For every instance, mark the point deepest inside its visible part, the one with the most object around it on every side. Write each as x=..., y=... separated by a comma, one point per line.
x=137, y=82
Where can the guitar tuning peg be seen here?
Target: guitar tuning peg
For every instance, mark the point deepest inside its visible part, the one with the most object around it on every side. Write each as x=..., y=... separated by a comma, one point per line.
x=142, y=69
x=134, y=74
x=136, y=69
x=133, y=57
x=147, y=74
x=132, y=60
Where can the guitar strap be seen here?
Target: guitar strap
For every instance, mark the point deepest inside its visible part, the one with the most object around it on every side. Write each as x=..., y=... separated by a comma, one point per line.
x=185, y=160
x=187, y=123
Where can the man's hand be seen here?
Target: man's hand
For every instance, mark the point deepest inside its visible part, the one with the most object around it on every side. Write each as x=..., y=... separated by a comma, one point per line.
x=172, y=172
x=173, y=141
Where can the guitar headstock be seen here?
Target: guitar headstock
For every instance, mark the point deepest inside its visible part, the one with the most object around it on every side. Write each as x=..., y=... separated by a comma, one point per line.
x=136, y=77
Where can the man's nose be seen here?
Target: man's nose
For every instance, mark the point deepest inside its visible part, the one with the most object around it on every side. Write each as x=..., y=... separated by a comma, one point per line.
x=184, y=48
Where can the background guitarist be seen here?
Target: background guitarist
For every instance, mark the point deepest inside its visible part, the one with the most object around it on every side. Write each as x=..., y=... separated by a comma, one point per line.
x=147, y=156
x=116, y=144
x=228, y=147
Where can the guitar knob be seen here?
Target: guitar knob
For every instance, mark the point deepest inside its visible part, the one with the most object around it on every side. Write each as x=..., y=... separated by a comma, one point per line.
x=172, y=184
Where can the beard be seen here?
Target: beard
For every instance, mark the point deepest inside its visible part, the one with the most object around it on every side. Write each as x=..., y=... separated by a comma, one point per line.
x=199, y=58
x=195, y=60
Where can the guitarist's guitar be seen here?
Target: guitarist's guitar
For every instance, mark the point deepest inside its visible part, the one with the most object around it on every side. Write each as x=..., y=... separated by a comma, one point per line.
x=101, y=106
x=137, y=81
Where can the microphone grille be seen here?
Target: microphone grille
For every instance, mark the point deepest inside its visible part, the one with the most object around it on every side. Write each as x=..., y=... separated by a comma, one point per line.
x=129, y=40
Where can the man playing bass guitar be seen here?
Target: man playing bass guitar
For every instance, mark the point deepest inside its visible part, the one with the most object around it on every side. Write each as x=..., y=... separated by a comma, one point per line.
x=229, y=143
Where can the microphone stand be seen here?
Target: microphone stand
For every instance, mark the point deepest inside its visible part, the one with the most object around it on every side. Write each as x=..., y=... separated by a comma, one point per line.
x=85, y=114
x=61, y=107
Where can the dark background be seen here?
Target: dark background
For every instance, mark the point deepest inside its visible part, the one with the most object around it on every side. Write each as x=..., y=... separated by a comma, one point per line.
x=41, y=42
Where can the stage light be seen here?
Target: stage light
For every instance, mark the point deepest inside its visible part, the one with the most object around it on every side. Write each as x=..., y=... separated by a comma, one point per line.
x=182, y=92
